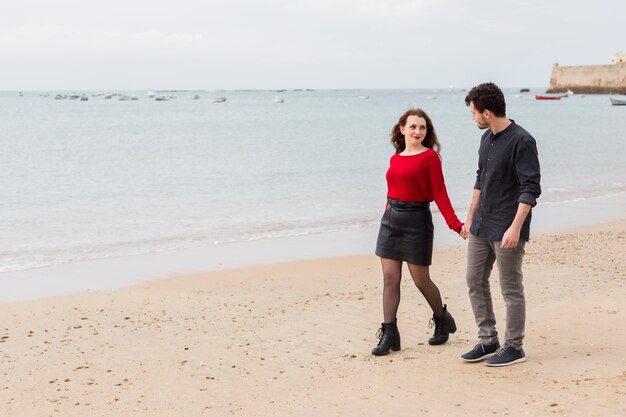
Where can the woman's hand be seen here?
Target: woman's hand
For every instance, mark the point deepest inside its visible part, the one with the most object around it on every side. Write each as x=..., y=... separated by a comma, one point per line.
x=464, y=233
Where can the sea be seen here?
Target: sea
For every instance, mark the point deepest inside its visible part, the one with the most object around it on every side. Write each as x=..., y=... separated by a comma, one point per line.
x=106, y=177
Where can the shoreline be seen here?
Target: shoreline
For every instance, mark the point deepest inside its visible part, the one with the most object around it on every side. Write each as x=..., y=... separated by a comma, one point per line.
x=294, y=339
x=119, y=272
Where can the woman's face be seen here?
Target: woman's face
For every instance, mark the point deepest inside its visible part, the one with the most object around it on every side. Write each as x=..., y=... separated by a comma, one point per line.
x=414, y=130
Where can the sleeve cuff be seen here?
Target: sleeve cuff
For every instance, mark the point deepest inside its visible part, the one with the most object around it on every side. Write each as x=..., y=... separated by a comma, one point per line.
x=456, y=226
x=527, y=198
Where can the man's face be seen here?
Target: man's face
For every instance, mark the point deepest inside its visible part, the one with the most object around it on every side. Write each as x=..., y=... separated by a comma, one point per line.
x=478, y=117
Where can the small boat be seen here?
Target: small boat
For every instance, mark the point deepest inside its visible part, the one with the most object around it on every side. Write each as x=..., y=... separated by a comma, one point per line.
x=524, y=90
x=539, y=97
x=618, y=101
x=279, y=99
x=160, y=97
x=219, y=99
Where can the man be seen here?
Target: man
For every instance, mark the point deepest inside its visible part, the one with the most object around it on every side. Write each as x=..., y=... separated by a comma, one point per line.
x=498, y=224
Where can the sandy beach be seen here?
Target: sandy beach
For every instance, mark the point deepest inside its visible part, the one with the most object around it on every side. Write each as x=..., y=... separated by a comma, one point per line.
x=294, y=339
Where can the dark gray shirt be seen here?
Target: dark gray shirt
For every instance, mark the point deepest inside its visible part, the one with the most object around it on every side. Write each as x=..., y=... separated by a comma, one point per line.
x=508, y=174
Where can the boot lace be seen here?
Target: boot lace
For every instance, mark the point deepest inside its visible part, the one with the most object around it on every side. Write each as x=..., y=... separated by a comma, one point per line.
x=436, y=323
x=379, y=334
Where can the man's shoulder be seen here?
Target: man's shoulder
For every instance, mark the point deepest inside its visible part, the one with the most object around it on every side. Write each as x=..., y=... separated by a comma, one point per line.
x=521, y=135
x=519, y=131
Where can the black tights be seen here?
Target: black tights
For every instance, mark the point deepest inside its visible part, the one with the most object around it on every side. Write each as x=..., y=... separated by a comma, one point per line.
x=392, y=276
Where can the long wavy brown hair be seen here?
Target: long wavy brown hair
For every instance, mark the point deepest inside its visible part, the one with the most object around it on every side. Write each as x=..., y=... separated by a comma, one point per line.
x=430, y=141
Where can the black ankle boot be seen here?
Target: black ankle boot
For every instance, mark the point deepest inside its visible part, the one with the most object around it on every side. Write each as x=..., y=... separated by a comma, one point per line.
x=389, y=339
x=443, y=326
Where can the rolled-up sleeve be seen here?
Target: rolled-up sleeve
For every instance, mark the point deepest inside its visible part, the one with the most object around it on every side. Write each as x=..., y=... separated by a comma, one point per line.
x=477, y=183
x=528, y=171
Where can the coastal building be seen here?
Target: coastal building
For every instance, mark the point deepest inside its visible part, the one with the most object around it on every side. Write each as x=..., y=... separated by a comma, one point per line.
x=591, y=79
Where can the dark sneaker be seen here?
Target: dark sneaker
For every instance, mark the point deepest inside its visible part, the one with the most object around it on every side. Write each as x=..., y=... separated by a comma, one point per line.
x=506, y=355
x=480, y=352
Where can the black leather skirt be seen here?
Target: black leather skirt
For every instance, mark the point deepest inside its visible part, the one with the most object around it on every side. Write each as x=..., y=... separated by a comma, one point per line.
x=406, y=233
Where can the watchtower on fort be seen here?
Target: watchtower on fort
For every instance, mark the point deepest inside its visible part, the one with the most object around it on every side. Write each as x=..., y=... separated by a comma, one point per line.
x=618, y=57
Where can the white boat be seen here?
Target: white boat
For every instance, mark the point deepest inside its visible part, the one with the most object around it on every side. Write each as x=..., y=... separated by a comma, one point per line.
x=618, y=101
x=221, y=99
x=161, y=97
x=279, y=99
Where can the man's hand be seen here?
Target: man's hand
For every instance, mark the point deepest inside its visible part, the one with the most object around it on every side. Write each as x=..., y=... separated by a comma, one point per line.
x=510, y=238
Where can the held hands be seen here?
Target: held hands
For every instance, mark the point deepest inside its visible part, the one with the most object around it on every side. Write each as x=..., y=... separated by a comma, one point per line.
x=465, y=230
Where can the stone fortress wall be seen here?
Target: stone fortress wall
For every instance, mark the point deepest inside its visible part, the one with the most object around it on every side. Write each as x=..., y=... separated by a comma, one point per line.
x=591, y=79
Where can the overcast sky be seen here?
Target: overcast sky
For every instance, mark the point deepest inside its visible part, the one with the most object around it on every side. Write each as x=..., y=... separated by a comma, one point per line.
x=240, y=44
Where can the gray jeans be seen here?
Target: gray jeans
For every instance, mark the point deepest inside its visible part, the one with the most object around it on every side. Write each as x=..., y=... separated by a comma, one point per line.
x=481, y=255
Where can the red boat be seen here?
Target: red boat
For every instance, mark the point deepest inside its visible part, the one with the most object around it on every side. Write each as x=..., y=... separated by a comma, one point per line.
x=547, y=97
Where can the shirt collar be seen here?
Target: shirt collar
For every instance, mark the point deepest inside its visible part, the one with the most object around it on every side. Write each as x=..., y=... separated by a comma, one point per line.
x=508, y=129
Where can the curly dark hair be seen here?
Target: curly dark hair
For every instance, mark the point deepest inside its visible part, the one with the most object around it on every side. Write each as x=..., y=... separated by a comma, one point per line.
x=430, y=141
x=487, y=96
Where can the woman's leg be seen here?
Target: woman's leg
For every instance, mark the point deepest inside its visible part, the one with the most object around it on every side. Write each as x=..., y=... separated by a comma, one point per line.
x=389, y=336
x=392, y=276
x=421, y=278
x=442, y=319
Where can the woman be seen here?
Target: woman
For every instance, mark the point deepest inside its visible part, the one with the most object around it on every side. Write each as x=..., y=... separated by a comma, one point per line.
x=414, y=179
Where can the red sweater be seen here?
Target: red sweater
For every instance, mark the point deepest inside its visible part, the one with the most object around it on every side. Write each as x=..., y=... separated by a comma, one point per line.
x=419, y=178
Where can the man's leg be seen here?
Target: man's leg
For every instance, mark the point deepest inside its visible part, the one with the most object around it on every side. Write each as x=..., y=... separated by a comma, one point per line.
x=480, y=259
x=510, y=267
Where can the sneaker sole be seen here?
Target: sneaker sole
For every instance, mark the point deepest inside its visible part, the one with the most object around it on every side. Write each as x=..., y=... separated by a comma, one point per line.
x=520, y=360
x=482, y=358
